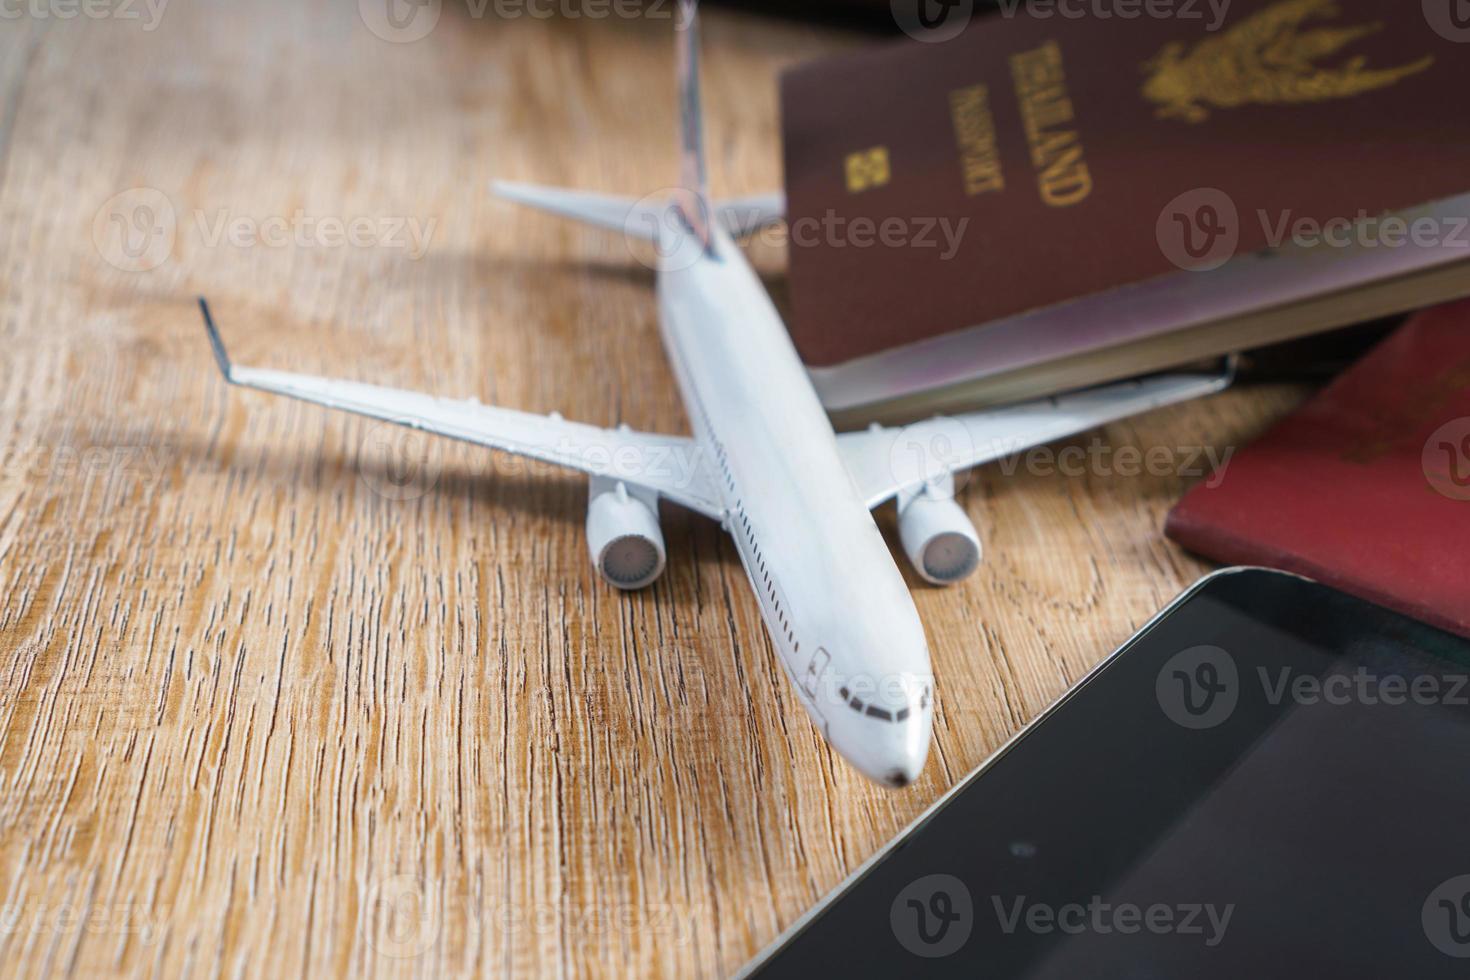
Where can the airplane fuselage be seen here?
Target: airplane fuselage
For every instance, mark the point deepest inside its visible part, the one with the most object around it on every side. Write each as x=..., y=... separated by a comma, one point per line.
x=834, y=602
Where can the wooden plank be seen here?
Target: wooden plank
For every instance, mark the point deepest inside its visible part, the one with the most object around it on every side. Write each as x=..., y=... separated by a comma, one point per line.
x=266, y=698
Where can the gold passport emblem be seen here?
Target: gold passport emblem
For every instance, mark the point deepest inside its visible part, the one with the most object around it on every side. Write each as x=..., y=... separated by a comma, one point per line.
x=868, y=169
x=1267, y=59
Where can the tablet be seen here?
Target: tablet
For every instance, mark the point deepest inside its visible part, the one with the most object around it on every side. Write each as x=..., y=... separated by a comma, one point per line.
x=1272, y=779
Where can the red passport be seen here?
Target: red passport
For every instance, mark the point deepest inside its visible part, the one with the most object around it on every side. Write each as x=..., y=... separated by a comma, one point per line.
x=1367, y=487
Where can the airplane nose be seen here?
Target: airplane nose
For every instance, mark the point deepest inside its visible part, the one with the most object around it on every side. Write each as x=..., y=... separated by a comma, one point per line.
x=912, y=766
x=879, y=714
x=900, y=761
x=899, y=778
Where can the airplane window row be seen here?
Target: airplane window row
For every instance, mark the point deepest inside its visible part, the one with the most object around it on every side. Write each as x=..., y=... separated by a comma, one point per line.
x=768, y=584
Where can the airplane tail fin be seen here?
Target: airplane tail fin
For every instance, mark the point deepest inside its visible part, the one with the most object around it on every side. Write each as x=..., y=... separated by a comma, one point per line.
x=693, y=192
x=641, y=219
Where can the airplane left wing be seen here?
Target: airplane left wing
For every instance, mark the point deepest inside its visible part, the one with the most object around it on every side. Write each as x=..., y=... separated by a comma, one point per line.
x=672, y=466
x=885, y=462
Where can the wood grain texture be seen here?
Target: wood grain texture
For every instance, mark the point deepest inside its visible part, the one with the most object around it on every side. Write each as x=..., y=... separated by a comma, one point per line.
x=271, y=705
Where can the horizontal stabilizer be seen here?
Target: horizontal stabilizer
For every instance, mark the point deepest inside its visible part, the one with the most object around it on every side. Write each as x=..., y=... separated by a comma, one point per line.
x=744, y=216
x=624, y=215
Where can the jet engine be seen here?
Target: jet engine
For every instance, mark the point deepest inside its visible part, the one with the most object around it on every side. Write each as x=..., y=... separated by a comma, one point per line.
x=623, y=535
x=938, y=537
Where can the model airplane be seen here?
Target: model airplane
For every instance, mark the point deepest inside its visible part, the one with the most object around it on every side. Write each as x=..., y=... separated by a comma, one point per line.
x=795, y=496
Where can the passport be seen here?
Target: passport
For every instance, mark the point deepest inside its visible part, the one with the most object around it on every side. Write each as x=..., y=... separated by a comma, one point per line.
x=1045, y=202
x=1366, y=487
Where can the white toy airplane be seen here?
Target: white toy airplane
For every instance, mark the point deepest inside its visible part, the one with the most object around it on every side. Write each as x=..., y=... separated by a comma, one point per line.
x=765, y=462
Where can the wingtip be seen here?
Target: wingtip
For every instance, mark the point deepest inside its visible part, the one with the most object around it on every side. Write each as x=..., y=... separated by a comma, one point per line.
x=1231, y=371
x=221, y=356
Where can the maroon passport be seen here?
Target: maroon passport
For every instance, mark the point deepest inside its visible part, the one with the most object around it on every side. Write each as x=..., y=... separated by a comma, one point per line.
x=1059, y=141
x=1366, y=488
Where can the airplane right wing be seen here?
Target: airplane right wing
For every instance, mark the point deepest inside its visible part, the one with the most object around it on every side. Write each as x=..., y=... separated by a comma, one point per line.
x=886, y=462
x=674, y=467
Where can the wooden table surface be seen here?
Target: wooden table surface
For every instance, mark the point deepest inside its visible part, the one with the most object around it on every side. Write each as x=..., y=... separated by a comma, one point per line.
x=274, y=703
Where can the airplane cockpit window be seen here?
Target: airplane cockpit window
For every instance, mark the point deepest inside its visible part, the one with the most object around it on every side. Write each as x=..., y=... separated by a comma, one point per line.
x=882, y=714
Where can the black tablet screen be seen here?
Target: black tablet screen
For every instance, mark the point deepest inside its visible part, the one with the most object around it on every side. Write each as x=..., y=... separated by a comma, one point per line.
x=1273, y=780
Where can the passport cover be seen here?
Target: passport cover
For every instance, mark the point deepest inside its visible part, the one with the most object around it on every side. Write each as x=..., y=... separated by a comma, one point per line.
x=1062, y=141
x=1367, y=487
